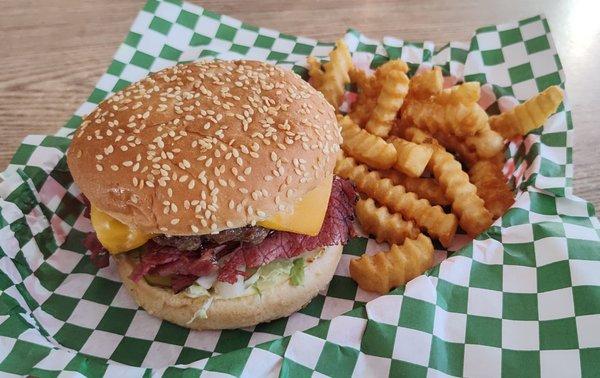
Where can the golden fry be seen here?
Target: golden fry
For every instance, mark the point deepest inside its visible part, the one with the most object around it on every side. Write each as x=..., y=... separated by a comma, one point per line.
x=412, y=158
x=386, y=227
x=474, y=218
x=454, y=144
x=314, y=71
x=336, y=74
x=365, y=83
x=425, y=84
x=486, y=143
x=367, y=92
x=427, y=188
x=395, y=197
x=391, y=97
x=466, y=94
x=386, y=270
x=361, y=110
x=462, y=147
x=391, y=65
x=451, y=118
x=529, y=115
x=365, y=147
x=417, y=135
x=491, y=186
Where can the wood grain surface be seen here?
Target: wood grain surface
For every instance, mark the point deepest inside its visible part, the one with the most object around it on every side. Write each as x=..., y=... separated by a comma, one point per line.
x=53, y=51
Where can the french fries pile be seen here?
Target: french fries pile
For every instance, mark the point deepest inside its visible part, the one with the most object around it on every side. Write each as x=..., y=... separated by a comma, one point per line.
x=425, y=159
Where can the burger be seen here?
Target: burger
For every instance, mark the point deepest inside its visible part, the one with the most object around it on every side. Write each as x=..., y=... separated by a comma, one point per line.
x=210, y=186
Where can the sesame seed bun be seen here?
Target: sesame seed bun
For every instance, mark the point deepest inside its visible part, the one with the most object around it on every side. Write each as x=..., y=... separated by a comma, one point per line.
x=275, y=302
x=205, y=146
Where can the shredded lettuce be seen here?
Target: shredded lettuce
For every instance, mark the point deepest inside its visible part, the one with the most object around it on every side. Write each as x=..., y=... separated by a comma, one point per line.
x=202, y=311
x=265, y=276
x=297, y=272
x=250, y=281
x=271, y=274
x=195, y=291
x=227, y=290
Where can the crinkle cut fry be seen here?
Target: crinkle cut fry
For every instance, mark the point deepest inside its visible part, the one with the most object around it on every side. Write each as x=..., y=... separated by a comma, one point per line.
x=366, y=147
x=385, y=270
x=486, y=143
x=425, y=84
x=423, y=187
x=465, y=93
x=391, y=97
x=412, y=158
x=395, y=197
x=491, y=186
x=391, y=65
x=474, y=218
x=336, y=74
x=459, y=119
x=377, y=220
x=529, y=115
x=454, y=144
x=367, y=91
x=315, y=71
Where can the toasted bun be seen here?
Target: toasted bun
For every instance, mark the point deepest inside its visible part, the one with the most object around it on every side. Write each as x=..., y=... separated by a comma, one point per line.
x=273, y=303
x=205, y=146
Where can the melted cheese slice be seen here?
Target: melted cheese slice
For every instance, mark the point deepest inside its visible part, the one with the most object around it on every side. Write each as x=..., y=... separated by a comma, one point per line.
x=306, y=219
x=308, y=215
x=115, y=236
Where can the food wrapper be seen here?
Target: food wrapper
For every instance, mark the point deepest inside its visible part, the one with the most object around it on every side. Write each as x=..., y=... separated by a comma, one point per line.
x=521, y=299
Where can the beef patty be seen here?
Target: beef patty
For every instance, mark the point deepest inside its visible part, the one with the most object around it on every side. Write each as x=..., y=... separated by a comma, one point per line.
x=247, y=235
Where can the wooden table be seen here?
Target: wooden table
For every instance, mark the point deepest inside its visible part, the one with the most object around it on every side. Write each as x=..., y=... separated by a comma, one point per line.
x=53, y=51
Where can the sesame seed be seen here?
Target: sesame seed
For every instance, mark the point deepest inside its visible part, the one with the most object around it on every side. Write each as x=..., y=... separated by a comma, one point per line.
x=98, y=167
x=174, y=221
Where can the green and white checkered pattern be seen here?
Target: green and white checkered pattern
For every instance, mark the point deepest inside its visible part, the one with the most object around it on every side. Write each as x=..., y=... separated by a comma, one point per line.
x=521, y=300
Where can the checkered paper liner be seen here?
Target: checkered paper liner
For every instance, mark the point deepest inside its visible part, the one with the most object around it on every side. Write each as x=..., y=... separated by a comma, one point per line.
x=522, y=299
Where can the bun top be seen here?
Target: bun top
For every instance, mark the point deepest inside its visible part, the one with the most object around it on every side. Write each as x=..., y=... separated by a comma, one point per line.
x=205, y=146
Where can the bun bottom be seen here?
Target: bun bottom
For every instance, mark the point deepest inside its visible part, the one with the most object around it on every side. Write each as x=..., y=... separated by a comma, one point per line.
x=274, y=302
